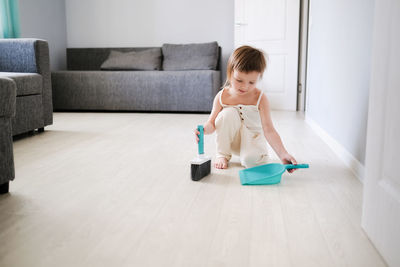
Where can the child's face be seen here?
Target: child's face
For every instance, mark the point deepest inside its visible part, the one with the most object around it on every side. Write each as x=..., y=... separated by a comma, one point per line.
x=243, y=83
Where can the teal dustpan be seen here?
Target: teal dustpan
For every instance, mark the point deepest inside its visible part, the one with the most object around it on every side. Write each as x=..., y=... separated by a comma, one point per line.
x=266, y=174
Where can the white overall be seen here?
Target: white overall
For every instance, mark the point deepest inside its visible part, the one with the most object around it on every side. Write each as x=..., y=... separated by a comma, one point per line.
x=239, y=131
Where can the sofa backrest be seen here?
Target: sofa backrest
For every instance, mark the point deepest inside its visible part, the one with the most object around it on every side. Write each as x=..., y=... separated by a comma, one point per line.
x=18, y=55
x=92, y=58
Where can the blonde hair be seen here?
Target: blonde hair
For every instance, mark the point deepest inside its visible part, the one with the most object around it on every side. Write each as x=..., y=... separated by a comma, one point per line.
x=245, y=59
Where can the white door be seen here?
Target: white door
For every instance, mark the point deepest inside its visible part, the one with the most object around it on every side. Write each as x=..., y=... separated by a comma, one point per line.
x=381, y=206
x=273, y=26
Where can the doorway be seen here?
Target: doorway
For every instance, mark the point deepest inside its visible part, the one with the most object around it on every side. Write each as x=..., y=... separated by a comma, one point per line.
x=279, y=28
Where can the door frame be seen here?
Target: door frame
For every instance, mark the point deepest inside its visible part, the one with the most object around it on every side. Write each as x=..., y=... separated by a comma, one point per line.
x=303, y=55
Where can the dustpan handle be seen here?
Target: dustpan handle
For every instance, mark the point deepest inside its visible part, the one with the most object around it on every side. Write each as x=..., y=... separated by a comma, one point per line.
x=200, y=128
x=298, y=166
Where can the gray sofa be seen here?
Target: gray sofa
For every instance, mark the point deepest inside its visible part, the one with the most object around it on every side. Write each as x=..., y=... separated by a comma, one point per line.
x=178, y=78
x=26, y=62
x=25, y=96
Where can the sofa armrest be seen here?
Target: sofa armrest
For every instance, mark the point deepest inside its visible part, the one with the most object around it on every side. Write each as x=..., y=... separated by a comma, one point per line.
x=8, y=95
x=43, y=68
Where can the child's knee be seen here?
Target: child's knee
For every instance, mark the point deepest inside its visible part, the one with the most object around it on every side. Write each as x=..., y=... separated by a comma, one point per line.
x=227, y=116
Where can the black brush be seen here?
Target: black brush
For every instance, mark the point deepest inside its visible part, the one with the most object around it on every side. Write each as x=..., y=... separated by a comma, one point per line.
x=201, y=165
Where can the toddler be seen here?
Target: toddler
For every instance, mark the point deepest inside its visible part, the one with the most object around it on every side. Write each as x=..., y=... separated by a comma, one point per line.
x=241, y=114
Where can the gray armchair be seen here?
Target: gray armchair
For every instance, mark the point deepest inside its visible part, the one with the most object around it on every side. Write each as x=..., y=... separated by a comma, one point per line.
x=25, y=96
x=8, y=92
x=27, y=63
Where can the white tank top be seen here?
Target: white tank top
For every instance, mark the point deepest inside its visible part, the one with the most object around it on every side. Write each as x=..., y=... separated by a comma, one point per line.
x=249, y=114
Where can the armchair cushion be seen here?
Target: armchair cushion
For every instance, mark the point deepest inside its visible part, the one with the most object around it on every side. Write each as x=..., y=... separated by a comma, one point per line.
x=27, y=83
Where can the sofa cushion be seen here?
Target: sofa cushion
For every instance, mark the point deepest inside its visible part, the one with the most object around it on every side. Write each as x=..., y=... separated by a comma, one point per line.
x=149, y=59
x=200, y=56
x=27, y=83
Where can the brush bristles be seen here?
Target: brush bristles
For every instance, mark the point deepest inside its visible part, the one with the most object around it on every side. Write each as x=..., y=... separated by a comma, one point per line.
x=199, y=171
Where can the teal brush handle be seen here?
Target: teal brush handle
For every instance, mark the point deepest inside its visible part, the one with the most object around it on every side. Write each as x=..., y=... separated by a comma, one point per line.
x=298, y=166
x=200, y=128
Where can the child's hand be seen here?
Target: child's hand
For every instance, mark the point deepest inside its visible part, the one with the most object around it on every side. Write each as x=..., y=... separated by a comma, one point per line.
x=289, y=159
x=208, y=129
x=196, y=132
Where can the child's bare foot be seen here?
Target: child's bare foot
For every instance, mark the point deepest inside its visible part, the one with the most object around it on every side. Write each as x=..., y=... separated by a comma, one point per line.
x=221, y=163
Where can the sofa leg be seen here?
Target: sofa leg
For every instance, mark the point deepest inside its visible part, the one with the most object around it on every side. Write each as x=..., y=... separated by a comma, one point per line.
x=4, y=188
x=41, y=130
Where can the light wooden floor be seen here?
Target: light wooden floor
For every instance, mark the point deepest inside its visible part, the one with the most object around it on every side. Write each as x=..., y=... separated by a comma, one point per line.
x=113, y=189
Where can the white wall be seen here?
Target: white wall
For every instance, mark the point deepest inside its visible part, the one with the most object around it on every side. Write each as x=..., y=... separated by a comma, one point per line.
x=45, y=19
x=339, y=70
x=105, y=23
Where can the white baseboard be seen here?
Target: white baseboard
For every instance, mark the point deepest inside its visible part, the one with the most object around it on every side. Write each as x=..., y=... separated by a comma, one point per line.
x=355, y=166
